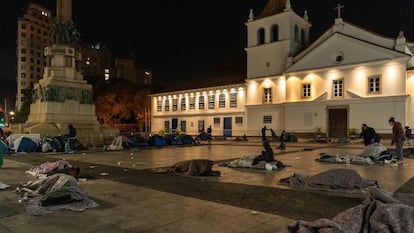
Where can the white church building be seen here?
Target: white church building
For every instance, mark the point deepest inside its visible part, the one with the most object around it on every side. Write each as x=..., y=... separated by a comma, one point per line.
x=346, y=77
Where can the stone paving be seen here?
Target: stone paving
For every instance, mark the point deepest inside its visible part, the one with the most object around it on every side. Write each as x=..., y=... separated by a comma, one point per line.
x=128, y=208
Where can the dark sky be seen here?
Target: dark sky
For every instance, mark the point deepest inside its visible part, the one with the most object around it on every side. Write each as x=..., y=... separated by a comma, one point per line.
x=191, y=40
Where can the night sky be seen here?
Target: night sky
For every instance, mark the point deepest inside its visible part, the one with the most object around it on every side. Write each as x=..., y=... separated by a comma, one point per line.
x=182, y=41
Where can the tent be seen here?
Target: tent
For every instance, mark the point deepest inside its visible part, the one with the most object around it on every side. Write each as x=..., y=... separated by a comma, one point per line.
x=4, y=148
x=157, y=141
x=188, y=140
x=25, y=144
x=120, y=142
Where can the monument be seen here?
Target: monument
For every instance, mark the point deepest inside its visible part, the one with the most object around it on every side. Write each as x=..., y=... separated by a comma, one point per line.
x=62, y=97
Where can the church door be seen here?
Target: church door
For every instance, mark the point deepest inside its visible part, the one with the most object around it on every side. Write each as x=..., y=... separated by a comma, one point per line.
x=337, y=122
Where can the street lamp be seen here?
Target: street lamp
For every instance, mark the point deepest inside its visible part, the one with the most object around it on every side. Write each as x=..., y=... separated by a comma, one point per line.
x=12, y=116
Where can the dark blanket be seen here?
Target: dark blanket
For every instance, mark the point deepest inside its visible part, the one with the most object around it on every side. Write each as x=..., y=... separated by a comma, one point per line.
x=338, y=179
x=381, y=212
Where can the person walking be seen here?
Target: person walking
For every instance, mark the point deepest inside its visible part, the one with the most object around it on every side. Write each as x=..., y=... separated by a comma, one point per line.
x=209, y=131
x=282, y=145
x=398, y=138
x=264, y=134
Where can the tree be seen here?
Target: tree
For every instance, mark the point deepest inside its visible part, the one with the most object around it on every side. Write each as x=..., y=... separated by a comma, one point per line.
x=120, y=101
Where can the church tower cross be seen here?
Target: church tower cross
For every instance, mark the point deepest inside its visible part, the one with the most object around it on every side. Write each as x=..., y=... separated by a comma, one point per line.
x=338, y=8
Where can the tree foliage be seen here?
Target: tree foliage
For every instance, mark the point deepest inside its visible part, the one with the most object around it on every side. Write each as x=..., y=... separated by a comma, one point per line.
x=120, y=101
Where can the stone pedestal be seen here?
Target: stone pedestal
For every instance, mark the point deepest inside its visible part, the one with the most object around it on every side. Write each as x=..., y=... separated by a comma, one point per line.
x=62, y=97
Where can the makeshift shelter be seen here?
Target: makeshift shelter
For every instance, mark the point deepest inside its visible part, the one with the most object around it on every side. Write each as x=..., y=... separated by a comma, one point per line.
x=25, y=144
x=157, y=140
x=121, y=142
x=4, y=148
x=188, y=140
x=174, y=140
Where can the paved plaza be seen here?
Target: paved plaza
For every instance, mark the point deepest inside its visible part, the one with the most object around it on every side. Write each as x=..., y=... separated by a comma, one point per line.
x=127, y=208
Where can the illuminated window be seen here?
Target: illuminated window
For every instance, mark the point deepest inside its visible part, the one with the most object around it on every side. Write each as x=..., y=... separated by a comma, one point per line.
x=233, y=100
x=211, y=101
x=267, y=94
x=159, y=105
x=183, y=106
x=192, y=102
x=338, y=88
x=167, y=105
x=201, y=102
x=222, y=101
x=374, y=84
x=174, y=104
x=306, y=90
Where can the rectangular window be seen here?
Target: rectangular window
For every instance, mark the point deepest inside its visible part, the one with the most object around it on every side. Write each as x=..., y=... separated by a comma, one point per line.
x=306, y=90
x=216, y=120
x=374, y=84
x=192, y=102
x=233, y=100
x=183, y=104
x=159, y=105
x=338, y=88
x=238, y=120
x=175, y=104
x=211, y=100
x=166, y=126
x=267, y=94
x=222, y=101
x=183, y=125
x=267, y=119
x=201, y=102
x=167, y=105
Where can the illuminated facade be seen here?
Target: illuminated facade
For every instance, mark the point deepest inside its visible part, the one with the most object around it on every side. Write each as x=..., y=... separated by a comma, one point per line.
x=346, y=77
x=33, y=35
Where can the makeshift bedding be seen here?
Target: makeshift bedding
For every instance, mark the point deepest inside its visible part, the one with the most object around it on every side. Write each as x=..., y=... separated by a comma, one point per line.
x=381, y=212
x=56, y=192
x=248, y=162
x=47, y=167
x=194, y=167
x=374, y=153
x=346, y=180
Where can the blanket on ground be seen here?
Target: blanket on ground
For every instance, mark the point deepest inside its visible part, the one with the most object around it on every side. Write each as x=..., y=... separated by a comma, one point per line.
x=56, y=192
x=193, y=167
x=47, y=167
x=248, y=162
x=334, y=179
x=380, y=212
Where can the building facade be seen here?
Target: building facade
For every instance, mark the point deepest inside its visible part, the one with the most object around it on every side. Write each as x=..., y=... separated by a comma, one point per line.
x=346, y=77
x=33, y=35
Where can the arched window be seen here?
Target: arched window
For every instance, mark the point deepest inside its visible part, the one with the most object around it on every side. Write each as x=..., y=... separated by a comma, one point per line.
x=302, y=37
x=261, y=36
x=275, y=33
x=296, y=33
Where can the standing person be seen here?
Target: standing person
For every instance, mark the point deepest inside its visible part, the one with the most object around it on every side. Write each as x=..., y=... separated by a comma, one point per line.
x=209, y=131
x=368, y=134
x=71, y=136
x=264, y=134
x=282, y=145
x=408, y=134
x=398, y=138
